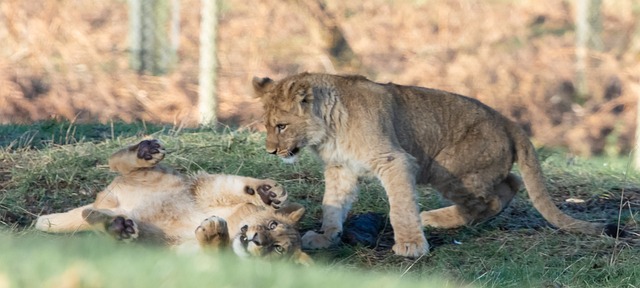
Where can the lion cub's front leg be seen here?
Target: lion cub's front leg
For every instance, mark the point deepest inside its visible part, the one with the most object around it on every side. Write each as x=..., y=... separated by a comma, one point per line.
x=213, y=233
x=340, y=192
x=222, y=189
x=147, y=153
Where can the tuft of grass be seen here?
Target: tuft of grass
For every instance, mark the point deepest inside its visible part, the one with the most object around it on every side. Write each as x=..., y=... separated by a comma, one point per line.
x=517, y=248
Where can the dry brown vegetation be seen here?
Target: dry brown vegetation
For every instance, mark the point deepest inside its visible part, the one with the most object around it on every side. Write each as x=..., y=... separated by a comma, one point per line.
x=68, y=59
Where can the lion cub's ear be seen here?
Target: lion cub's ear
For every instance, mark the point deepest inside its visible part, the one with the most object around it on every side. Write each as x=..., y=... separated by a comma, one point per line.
x=293, y=211
x=260, y=85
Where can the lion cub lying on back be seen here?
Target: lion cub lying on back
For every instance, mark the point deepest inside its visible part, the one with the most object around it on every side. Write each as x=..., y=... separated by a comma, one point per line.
x=152, y=203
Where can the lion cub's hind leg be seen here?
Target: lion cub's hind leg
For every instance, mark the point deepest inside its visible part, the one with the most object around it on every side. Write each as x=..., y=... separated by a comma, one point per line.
x=67, y=222
x=147, y=153
x=469, y=208
x=120, y=227
x=447, y=217
x=503, y=194
x=213, y=233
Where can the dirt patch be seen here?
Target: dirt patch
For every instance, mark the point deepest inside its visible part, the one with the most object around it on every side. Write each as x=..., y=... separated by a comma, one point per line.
x=374, y=231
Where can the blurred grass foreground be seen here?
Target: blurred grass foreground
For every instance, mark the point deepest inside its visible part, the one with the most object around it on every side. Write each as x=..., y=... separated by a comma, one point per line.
x=89, y=261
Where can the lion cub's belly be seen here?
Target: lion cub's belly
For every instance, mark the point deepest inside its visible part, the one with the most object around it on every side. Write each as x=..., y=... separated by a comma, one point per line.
x=222, y=212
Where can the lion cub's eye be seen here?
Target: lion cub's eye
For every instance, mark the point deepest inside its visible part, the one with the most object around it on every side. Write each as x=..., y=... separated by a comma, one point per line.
x=281, y=127
x=279, y=249
x=272, y=225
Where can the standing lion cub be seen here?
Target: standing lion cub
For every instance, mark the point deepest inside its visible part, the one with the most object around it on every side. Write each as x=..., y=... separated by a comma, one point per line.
x=403, y=135
x=152, y=203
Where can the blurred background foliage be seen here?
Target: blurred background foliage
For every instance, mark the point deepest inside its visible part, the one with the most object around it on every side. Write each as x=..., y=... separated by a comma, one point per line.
x=70, y=60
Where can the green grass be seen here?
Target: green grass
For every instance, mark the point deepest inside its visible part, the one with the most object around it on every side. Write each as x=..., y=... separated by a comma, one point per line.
x=46, y=133
x=52, y=173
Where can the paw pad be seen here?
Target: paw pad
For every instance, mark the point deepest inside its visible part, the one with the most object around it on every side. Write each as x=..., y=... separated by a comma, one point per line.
x=272, y=195
x=148, y=148
x=212, y=230
x=123, y=229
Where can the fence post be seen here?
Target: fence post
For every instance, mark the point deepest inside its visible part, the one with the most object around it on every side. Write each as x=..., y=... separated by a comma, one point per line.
x=207, y=81
x=149, y=36
x=588, y=28
x=637, y=146
x=135, y=34
x=635, y=47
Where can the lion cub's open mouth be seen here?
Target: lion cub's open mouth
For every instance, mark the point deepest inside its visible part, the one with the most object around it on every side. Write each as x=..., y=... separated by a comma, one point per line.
x=240, y=243
x=292, y=157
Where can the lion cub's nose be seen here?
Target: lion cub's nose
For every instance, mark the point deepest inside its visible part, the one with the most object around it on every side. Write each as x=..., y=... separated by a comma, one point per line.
x=258, y=239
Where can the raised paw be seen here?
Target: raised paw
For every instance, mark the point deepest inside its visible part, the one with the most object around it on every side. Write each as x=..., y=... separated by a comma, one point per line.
x=271, y=193
x=151, y=151
x=123, y=229
x=213, y=232
x=319, y=240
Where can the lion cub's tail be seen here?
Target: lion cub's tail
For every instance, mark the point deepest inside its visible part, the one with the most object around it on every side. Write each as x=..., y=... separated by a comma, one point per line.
x=535, y=184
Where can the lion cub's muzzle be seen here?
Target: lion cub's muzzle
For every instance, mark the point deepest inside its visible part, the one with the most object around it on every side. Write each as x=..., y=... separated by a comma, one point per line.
x=248, y=244
x=287, y=155
x=257, y=238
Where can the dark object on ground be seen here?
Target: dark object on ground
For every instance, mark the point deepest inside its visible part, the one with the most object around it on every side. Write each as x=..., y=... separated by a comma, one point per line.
x=364, y=229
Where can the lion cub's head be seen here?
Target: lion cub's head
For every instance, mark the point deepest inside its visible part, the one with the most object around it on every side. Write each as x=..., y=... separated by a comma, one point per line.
x=270, y=234
x=291, y=116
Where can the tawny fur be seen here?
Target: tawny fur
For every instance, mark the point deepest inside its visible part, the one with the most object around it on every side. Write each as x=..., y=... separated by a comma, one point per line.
x=403, y=135
x=153, y=203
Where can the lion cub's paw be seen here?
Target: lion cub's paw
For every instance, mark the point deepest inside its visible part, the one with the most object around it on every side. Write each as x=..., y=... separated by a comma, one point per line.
x=123, y=229
x=213, y=232
x=150, y=151
x=314, y=240
x=271, y=193
x=411, y=249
